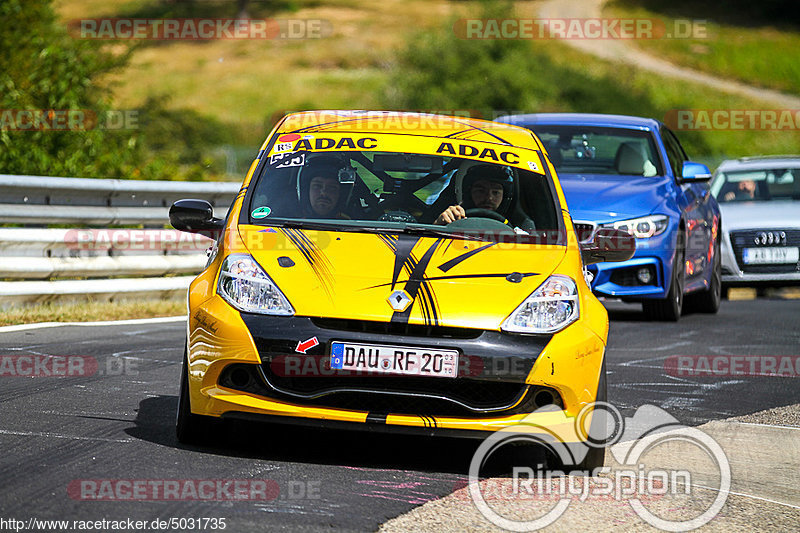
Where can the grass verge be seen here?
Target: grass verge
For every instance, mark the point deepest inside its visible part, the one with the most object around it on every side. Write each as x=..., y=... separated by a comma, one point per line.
x=759, y=53
x=92, y=311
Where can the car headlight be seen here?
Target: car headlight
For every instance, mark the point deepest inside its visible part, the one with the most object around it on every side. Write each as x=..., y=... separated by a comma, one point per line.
x=550, y=308
x=244, y=285
x=643, y=227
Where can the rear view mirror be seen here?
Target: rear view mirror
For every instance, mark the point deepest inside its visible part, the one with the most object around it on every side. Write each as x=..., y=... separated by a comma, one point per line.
x=608, y=246
x=194, y=216
x=407, y=163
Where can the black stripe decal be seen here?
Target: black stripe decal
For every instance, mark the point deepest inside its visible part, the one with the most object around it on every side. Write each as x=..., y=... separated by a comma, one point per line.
x=402, y=257
x=415, y=281
x=466, y=276
x=313, y=256
x=444, y=267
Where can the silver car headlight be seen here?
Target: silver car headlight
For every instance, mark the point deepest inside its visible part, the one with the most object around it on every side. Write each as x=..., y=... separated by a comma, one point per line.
x=643, y=227
x=245, y=285
x=550, y=308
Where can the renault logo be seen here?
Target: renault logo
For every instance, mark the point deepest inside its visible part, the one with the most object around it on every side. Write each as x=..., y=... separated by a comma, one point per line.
x=399, y=300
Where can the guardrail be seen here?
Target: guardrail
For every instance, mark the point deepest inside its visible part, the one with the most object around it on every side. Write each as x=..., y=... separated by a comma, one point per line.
x=34, y=261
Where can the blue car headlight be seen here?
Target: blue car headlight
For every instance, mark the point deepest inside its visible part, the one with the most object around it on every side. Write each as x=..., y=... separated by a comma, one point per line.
x=642, y=227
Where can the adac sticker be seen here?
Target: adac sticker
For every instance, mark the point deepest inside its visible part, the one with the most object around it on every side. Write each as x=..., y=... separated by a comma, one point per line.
x=261, y=212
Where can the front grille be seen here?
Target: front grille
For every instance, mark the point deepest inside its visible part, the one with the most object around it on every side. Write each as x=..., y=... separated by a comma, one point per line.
x=391, y=328
x=392, y=394
x=746, y=239
x=584, y=230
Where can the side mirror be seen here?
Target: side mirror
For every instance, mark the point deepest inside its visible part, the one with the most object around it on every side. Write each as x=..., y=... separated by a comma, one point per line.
x=609, y=245
x=694, y=172
x=194, y=216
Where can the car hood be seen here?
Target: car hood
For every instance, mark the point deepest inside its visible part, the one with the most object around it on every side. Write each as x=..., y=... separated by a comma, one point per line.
x=605, y=198
x=451, y=282
x=757, y=215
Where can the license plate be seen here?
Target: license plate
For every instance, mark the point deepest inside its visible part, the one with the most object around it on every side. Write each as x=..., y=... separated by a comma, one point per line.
x=394, y=360
x=773, y=255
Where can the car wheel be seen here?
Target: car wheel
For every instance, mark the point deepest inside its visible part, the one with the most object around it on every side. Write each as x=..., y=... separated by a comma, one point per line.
x=189, y=427
x=707, y=301
x=596, y=456
x=669, y=309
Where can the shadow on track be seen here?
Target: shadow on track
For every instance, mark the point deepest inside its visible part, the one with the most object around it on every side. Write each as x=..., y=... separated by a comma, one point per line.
x=155, y=422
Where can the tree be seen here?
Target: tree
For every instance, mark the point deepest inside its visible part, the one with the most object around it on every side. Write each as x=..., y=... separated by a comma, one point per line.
x=45, y=76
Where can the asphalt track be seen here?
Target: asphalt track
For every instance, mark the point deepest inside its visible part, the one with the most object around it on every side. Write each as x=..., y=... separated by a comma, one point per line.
x=117, y=424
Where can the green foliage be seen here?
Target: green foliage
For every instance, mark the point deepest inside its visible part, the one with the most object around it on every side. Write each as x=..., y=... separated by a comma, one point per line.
x=440, y=70
x=44, y=70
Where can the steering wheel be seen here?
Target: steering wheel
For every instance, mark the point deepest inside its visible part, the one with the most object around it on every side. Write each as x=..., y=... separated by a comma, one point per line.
x=485, y=213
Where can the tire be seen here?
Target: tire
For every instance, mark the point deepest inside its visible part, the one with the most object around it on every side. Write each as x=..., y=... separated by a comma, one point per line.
x=707, y=301
x=670, y=308
x=189, y=427
x=596, y=456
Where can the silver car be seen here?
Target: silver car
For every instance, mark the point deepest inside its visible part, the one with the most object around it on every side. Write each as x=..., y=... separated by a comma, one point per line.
x=760, y=202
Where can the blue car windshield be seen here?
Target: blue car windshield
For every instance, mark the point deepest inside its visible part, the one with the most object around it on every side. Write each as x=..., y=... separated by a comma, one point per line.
x=596, y=150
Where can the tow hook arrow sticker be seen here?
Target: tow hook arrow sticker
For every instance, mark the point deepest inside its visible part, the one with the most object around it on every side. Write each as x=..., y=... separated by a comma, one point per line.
x=303, y=346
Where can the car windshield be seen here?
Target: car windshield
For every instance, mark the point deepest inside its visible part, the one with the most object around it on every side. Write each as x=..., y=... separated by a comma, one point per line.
x=590, y=150
x=760, y=185
x=392, y=191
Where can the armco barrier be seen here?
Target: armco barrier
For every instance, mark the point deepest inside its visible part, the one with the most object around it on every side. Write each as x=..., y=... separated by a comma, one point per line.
x=142, y=262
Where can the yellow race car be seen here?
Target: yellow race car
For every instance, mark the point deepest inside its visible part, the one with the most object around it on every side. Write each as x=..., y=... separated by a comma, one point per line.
x=395, y=272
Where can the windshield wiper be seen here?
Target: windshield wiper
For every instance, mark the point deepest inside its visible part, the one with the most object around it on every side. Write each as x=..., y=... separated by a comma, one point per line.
x=427, y=230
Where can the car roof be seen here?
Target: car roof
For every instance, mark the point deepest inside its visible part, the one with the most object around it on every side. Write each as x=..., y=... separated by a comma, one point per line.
x=405, y=123
x=583, y=119
x=760, y=162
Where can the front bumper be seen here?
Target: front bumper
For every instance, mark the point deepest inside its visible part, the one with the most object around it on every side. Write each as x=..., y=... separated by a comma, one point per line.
x=567, y=363
x=621, y=280
x=734, y=275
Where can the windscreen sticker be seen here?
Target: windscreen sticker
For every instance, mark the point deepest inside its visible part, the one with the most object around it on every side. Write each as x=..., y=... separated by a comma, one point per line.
x=533, y=166
x=261, y=212
x=288, y=138
x=467, y=150
x=325, y=143
x=290, y=159
x=283, y=147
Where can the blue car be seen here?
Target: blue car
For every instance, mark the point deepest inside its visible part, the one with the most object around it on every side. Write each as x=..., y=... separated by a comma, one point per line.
x=631, y=173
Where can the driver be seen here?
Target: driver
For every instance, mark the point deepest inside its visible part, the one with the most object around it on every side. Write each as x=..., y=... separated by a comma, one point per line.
x=321, y=187
x=485, y=187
